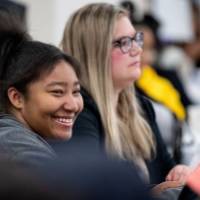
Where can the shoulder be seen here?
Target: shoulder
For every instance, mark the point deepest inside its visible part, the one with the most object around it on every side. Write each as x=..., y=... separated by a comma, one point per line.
x=20, y=144
x=89, y=102
x=90, y=115
x=147, y=108
x=88, y=124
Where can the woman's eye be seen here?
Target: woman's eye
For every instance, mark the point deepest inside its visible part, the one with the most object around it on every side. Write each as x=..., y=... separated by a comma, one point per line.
x=77, y=92
x=116, y=44
x=57, y=92
x=125, y=43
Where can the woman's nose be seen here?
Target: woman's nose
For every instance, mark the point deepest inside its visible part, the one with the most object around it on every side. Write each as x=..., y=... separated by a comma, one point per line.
x=71, y=104
x=136, y=50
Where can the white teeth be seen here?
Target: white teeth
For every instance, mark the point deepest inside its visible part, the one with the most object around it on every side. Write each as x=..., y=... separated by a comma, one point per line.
x=64, y=120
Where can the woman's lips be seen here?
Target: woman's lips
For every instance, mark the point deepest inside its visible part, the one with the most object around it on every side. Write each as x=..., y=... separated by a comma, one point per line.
x=135, y=64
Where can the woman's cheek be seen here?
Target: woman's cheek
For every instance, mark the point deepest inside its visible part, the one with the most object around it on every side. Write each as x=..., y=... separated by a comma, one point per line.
x=117, y=58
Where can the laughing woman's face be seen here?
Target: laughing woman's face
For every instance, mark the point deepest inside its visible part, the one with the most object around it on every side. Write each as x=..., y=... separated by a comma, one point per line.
x=53, y=103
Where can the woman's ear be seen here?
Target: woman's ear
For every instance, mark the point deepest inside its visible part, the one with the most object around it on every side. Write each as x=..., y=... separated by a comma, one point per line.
x=15, y=97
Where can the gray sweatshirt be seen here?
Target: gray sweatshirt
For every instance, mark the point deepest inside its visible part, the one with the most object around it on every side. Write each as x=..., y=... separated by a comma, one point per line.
x=21, y=145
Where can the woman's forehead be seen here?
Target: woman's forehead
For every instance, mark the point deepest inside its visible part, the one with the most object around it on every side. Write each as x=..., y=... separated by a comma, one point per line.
x=123, y=27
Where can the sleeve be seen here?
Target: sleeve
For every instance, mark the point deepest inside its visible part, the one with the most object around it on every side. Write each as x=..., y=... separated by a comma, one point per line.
x=162, y=161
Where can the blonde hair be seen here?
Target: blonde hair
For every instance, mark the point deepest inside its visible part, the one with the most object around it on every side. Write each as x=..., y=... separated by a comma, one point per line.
x=88, y=36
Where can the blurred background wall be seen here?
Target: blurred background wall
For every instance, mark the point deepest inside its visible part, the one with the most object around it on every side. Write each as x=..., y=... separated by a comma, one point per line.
x=46, y=18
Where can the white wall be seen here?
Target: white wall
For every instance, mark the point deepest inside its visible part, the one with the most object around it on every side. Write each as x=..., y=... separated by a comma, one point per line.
x=176, y=19
x=46, y=18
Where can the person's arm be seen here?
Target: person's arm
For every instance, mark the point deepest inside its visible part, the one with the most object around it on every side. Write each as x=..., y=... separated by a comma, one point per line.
x=163, y=167
x=163, y=162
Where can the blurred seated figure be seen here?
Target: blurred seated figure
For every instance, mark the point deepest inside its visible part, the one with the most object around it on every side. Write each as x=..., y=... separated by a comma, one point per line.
x=191, y=53
x=80, y=174
x=18, y=182
x=192, y=48
x=85, y=173
x=183, y=56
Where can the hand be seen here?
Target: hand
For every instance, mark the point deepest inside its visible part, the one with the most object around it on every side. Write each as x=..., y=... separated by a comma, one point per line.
x=160, y=188
x=179, y=173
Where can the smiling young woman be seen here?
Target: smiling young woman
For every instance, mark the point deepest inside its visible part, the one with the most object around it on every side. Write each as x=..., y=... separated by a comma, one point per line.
x=39, y=97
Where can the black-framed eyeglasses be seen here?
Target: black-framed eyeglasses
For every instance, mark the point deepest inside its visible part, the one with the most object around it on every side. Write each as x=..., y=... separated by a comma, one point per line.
x=126, y=43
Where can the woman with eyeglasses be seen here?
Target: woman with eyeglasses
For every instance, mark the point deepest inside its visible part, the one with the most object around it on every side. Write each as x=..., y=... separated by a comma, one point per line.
x=103, y=39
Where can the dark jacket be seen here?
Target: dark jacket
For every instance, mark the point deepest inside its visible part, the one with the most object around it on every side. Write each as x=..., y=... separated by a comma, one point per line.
x=21, y=145
x=88, y=128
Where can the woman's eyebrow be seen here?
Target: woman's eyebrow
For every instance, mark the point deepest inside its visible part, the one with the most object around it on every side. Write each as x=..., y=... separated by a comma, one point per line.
x=124, y=36
x=63, y=83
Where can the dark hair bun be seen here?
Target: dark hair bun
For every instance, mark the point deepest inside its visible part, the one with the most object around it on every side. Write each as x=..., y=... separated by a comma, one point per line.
x=12, y=34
